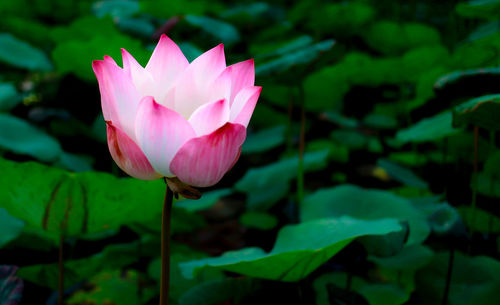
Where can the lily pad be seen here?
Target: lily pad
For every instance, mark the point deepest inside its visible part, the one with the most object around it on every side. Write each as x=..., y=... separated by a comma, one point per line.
x=482, y=112
x=23, y=138
x=368, y=204
x=20, y=54
x=299, y=249
x=74, y=204
x=10, y=227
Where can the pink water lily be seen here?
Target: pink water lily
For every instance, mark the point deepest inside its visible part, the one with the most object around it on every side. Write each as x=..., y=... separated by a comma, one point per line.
x=174, y=118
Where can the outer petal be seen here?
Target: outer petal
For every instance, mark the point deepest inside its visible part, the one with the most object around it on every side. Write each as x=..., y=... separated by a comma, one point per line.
x=160, y=133
x=203, y=161
x=244, y=105
x=210, y=117
x=167, y=62
x=192, y=89
x=119, y=97
x=128, y=156
x=243, y=75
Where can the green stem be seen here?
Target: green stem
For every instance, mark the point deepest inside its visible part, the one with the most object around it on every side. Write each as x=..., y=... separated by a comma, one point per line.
x=300, y=174
x=289, y=123
x=474, y=182
x=491, y=150
x=348, y=282
x=448, y=277
x=60, y=291
x=165, y=246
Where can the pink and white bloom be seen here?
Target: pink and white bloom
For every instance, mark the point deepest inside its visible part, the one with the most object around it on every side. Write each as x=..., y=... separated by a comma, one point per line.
x=174, y=118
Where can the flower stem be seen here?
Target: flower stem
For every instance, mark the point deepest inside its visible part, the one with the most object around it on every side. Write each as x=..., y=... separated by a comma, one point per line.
x=474, y=186
x=300, y=175
x=165, y=246
x=448, y=277
x=60, y=292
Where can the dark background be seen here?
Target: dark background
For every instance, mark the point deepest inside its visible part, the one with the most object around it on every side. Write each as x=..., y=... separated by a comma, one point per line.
x=374, y=110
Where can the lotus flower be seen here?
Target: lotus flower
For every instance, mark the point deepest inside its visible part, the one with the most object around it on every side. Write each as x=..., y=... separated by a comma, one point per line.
x=174, y=118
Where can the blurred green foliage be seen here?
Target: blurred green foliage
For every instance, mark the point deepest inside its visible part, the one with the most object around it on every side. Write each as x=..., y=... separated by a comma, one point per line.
x=391, y=199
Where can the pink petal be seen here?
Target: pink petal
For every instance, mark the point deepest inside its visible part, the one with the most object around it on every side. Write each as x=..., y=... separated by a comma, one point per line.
x=221, y=87
x=107, y=100
x=243, y=75
x=142, y=79
x=119, y=97
x=128, y=156
x=167, y=62
x=160, y=133
x=209, y=65
x=203, y=161
x=194, y=86
x=210, y=117
x=244, y=105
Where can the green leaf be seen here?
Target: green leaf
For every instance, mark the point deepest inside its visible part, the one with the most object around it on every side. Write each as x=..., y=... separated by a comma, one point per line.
x=380, y=121
x=353, y=139
x=258, y=220
x=409, y=258
x=475, y=280
x=61, y=202
x=10, y=227
x=479, y=220
x=115, y=8
x=9, y=97
x=339, y=19
x=488, y=185
x=136, y=26
x=418, y=61
x=299, y=249
x=428, y=129
x=87, y=39
x=392, y=38
x=401, y=174
x=264, y=140
x=27, y=139
x=456, y=76
x=20, y=54
x=374, y=293
x=112, y=257
x=220, y=291
x=445, y=219
x=384, y=294
x=368, y=204
x=281, y=49
x=479, y=9
x=482, y=112
x=28, y=29
x=190, y=50
x=206, y=201
x=168, y=8
x=341, y=120
x=75, y=163
x=299, y=57
x=337, y=152
x=179, y=285
x=477, y=54
x=219, y=30
x=114, y=286
x=246, y=13
x=266, y=197
x=284, y=170
x=325, y=88
x=492, y=164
